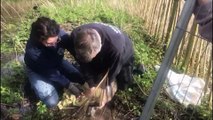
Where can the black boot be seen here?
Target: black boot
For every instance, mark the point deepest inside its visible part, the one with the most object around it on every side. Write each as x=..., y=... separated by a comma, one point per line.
x=139, y=69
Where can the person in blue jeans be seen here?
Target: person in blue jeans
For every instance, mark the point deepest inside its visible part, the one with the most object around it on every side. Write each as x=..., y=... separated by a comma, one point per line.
x=46, y=69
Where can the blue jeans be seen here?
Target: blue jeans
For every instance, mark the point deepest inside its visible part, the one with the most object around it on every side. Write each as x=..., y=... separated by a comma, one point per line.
x=48, y=91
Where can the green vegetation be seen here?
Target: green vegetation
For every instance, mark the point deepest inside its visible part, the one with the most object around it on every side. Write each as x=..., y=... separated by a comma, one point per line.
x=11, y=79
x=75, y=13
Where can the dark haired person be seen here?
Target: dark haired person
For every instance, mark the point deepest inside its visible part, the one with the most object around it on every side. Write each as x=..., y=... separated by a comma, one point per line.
x=46, y=69
x=99, y=48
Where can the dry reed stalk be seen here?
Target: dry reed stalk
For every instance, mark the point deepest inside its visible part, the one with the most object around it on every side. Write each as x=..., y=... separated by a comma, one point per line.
x=200, y=52
x=87, y=100
x=159, y=20
x=165, y=20
x=189, y=48
x=171, y=21
x=5, y=10
x=194, y=55
x=208, y=74
x=153, y=17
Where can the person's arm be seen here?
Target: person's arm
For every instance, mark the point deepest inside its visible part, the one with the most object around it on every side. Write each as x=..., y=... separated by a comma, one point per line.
x=84, y=69
x=48, y=70
x=40, y=64
x=203, y=16
x=88, y=74
x=63, y=35
x=67, y=43
x=115, y=65
x=112, y=62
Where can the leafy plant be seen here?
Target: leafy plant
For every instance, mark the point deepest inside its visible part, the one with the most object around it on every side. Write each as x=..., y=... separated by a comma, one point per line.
x=41, y=108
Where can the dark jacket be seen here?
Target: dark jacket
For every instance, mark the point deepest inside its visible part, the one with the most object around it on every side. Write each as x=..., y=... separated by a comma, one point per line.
x=203, y=15
x=116, y=50
x=46, y=61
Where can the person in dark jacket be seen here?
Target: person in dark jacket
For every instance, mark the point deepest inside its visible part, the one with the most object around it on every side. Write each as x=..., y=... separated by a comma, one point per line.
x=100, y=47
x=46, y=69
x=203, y=16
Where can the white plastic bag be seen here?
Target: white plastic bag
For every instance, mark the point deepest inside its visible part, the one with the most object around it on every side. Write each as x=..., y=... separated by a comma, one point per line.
x=183, y=88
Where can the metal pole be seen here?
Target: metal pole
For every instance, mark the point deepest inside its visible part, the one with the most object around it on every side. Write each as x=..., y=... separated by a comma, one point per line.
x=169, y=56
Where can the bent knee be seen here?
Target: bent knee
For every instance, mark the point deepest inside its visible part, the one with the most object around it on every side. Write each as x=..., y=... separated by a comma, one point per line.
x=51, y=100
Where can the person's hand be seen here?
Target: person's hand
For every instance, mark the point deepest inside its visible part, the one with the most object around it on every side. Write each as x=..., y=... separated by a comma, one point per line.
x=89, y=92
x=74, y=90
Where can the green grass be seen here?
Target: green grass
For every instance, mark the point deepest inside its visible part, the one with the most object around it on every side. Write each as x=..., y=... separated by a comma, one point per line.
x=11, y=79
x=76, y=13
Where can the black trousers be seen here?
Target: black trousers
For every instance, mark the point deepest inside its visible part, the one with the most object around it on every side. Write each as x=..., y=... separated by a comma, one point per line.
x=125, y=77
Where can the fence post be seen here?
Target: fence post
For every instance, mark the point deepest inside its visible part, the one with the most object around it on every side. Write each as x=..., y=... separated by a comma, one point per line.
x=169, y=56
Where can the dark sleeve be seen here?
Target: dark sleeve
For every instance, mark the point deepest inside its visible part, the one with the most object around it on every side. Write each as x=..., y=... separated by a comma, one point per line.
x=203, y=16
x=65, y=39
x=68, y=43
x=115, y=65
x=88, y=75
x=63, y=34
x=42, y=66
